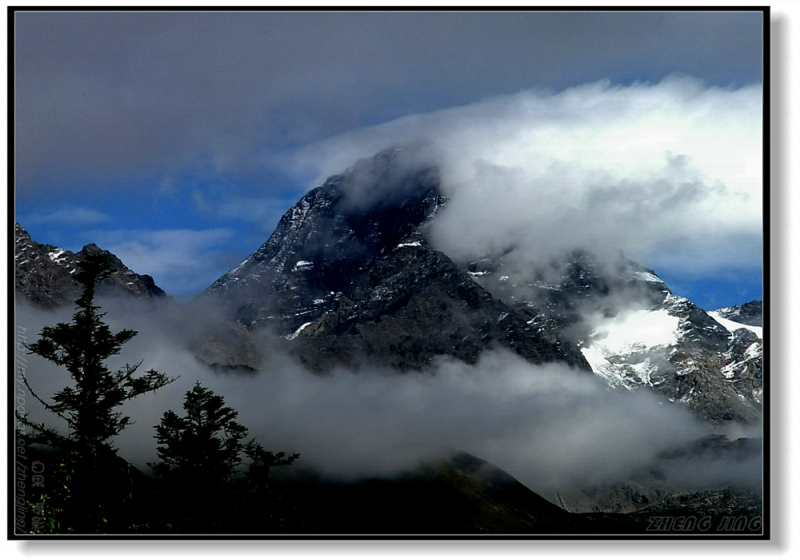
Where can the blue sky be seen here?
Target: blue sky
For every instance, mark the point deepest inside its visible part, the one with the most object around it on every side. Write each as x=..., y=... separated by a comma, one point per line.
x=177, y=140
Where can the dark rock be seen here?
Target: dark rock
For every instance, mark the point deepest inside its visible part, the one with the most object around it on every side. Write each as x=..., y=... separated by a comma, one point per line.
x=750, y=313
x=43, y=274
x=349, y=277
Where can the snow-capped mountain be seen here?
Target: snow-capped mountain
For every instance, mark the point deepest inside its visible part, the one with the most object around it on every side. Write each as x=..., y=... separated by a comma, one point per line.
x=43, y=273
x=347, y=276
x=635, y=333
x=678, y=350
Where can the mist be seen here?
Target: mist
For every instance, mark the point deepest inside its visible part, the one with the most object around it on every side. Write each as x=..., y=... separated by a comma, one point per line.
x=549, y=426
x=670, y=173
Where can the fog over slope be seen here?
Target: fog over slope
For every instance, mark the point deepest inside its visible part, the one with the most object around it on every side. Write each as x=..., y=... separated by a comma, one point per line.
x=549, y=426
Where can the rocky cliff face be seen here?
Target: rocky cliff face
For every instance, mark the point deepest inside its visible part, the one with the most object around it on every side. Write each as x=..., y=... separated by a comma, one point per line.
x=319, y=249
x=634, y=332
x=348, y=276
x=43, y=273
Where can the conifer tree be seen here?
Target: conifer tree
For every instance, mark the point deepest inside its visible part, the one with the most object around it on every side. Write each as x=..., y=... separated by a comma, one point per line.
x=90, y=406
x=201, y=454
x=204, y=446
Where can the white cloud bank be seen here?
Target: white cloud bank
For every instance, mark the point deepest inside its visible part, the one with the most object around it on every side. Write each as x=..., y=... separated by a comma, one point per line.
x=669, y=173
x=549, y=426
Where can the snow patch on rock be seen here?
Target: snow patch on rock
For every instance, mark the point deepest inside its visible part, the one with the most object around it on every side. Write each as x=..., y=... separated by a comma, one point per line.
x=733, y=325
x=298, y=331
x=648, y=277
x=57, y=255
x=620, y=347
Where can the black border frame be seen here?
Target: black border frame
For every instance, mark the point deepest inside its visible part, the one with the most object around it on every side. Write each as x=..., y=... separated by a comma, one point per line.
x=766, y=222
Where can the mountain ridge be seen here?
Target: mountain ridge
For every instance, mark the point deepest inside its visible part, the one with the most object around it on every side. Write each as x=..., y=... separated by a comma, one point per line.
x=43, y=274
x=347, y=281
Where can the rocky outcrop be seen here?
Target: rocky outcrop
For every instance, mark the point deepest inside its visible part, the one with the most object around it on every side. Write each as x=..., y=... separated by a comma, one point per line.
x=750, y=313
x=43, y=274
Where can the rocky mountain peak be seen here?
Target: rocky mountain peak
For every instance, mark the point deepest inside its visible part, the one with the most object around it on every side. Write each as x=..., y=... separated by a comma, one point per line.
x=43, y=274
x=348, y=274
x=325, y=241
x=750, y=313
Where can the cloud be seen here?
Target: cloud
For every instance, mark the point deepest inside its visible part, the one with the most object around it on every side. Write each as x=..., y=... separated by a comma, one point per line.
x=549, y=426
x=70, y=215
x=670, y=173
x=100, y=94
x=181, y=261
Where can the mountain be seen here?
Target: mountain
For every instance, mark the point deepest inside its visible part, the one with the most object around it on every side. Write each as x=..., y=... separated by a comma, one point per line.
x=43, y=273
x=635, y=333
x=348, y=276
x=346, y=280
x=684, y=353
x=459, y=495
